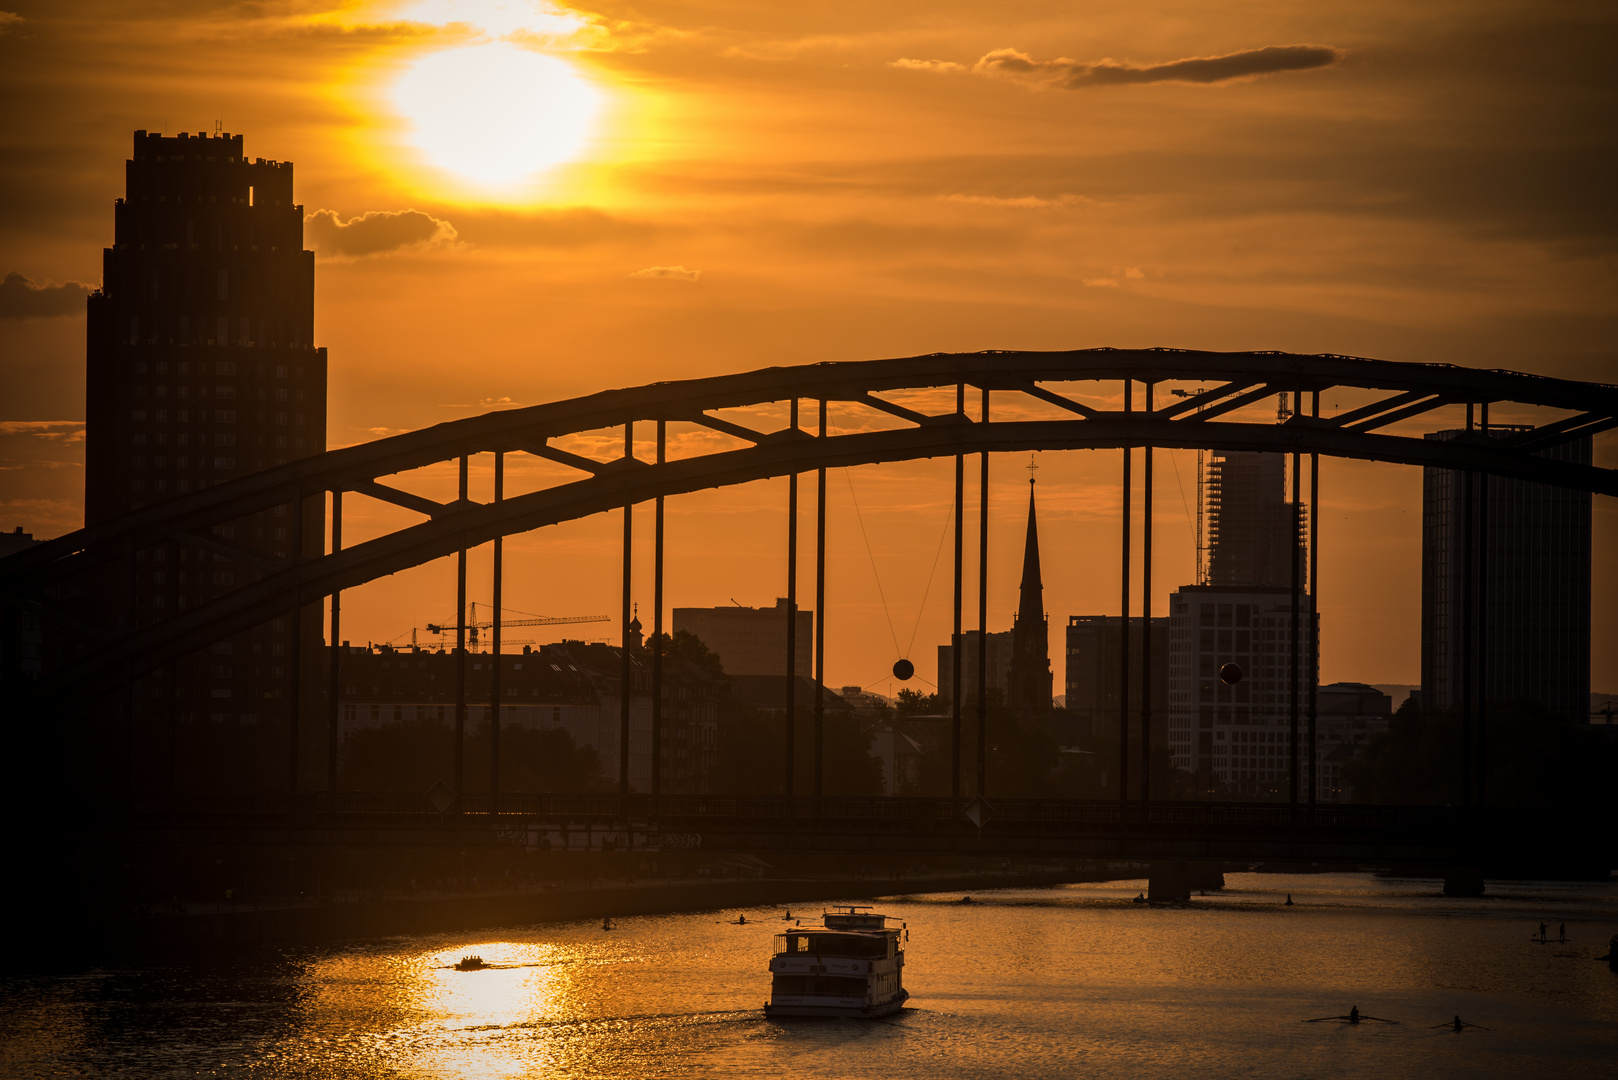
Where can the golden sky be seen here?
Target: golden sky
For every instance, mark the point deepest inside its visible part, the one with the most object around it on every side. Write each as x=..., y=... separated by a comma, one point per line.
x=714, y=187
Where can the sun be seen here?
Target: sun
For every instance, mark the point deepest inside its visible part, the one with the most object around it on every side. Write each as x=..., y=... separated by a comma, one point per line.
x=497, y=115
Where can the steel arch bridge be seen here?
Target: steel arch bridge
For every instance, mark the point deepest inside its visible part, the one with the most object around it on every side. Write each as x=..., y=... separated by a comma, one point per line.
x=1199, y=419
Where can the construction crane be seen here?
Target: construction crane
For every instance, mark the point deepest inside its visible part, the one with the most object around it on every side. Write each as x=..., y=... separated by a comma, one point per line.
x=474, y=625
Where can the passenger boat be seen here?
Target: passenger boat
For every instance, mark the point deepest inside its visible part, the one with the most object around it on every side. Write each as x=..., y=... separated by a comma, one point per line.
x=852, y=965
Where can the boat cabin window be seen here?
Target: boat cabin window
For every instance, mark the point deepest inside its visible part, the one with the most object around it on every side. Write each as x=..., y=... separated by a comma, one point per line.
x=833, y=945
x=829, y=985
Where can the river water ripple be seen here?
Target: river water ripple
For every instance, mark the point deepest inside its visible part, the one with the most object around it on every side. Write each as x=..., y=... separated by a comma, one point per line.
x=1067, y=981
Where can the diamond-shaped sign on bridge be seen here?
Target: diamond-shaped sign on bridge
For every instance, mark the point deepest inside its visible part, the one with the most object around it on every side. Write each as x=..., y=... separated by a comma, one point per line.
x=441, y=796
x=978, y=811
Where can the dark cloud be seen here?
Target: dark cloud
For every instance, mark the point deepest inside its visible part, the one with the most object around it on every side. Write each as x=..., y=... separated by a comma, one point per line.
x=22, y=299
x=1073, y=75
x=375, y=232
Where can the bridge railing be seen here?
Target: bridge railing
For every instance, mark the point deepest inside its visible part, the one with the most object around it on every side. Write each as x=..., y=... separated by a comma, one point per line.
x=830, y=812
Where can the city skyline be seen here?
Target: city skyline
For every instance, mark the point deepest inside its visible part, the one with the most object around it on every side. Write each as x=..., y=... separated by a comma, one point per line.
x=539, y=274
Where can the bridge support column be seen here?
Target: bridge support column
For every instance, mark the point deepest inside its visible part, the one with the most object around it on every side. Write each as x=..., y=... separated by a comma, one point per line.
x=1169, y=881
x=1206, y=876
x=1463, y=881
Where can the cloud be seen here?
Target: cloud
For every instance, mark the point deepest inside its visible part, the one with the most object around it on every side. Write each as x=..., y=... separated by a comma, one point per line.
x=55, y=430
x=376, y=232
x=669, y=273
x=936, y=66
x=1020, y=202
x=1119, y=275
x=8, y=19
x=20, y=298
x=1067, y=74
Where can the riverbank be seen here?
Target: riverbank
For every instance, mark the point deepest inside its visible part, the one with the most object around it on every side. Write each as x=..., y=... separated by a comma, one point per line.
x=249, y=925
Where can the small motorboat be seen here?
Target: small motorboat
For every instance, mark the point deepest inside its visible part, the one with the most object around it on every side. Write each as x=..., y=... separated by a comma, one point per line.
x=470, y=963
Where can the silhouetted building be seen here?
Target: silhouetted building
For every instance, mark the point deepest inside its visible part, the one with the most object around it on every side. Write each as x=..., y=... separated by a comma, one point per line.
x=1236, y=733
x=1252, y=528
x=572, y=685
x=1092, y=677
x=201, y=368
x=1531, y=561
x=1028, y=690
x=15, y=541
x=30, y=629
x=997, y=664
x=752, y=641
x=1348, y=715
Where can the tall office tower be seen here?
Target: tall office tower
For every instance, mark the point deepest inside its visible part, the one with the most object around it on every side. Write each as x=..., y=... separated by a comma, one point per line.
x=1029, y=680
x=202, y=368
x=1530, y=610
x=1251, y=525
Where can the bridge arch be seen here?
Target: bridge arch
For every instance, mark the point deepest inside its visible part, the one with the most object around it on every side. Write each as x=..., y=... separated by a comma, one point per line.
x=1224, y=383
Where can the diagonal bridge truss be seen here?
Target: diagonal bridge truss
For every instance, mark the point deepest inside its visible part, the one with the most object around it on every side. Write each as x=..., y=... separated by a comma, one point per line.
x=105, y=656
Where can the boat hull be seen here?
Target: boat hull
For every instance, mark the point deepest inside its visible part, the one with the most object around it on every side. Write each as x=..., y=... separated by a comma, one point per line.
x=831, y=1009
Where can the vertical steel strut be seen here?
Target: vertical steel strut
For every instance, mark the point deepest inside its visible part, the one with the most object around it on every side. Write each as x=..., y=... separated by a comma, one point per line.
x=624, y=670
x=295, y=695
x=1123, y=625
x=335, y=644
x=657, y=621
x=1314, y=609
x=1294, y=646
x=1468, y=538
x=792, y=618
x=460, y=657
x=1481, y=757
x=494, y=641
x=957, y=646
x=1146, y=620
x=820, y=611
x=983, y=609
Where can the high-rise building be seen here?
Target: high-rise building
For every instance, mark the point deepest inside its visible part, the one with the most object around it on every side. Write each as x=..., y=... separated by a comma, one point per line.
x=1252, y=528
x=753, y=641
x=1236, y=732
x=997, y=662
x=201, y=367
x=1530, y=608
x=1092, y=677
x=1029, y=682
x=1350, y=715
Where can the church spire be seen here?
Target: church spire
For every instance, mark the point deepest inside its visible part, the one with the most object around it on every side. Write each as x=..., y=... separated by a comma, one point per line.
x=1032, y=606
x=1029, y=685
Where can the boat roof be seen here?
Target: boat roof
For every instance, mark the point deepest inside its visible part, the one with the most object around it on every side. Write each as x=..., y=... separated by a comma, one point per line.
x=851, y=917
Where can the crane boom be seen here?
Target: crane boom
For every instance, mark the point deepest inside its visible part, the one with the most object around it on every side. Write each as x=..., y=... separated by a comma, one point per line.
x=558, y=620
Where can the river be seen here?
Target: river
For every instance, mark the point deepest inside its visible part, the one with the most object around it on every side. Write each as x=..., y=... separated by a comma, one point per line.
x=1067, y=981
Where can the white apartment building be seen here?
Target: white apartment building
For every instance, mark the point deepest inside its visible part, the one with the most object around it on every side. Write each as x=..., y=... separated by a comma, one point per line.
x=1237, y=733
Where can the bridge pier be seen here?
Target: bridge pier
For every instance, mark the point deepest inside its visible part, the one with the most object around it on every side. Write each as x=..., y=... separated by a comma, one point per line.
x=1463, y=881
x=1169, y=881
x=1172, y=880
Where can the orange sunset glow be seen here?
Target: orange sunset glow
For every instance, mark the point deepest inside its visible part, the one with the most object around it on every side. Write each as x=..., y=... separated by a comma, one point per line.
x=514, y=202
